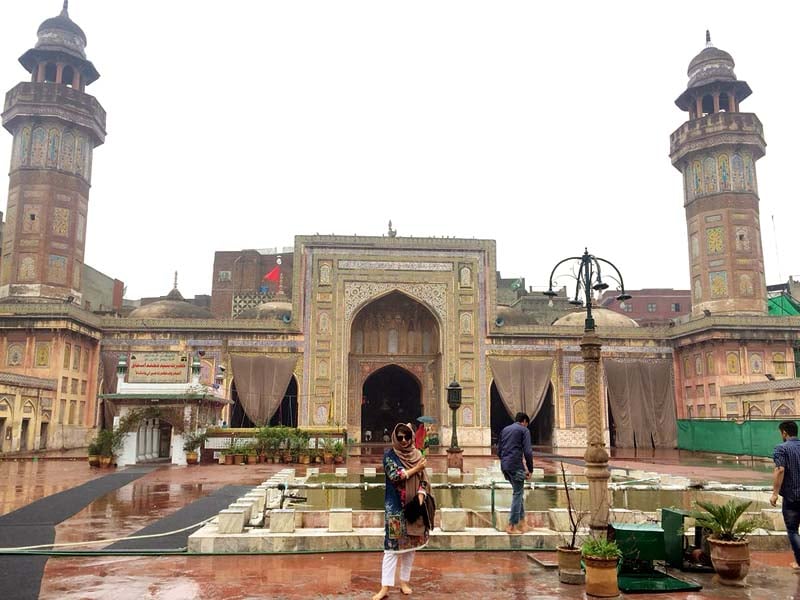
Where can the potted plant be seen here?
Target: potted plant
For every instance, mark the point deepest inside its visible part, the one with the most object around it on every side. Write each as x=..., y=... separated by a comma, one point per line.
x=108, y=443
x=191, y=443
x=228, y=454
x=250, y=455
x=338, y=452
x=600, y=556
x=327, y=451
x=94, y=453
x=239, y=452
x=569, y=553
x=730, y=550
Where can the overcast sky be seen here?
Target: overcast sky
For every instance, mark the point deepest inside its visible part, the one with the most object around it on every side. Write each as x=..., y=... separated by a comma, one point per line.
x=542, y=125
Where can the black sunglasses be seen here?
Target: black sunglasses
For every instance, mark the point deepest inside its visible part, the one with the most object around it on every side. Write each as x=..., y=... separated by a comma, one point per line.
x=402, y=437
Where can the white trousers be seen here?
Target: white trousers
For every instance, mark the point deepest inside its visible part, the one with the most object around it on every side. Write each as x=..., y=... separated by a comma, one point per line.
x=390, y=560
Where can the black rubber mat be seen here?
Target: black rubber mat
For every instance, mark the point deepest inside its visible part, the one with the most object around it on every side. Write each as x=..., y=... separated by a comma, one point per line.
x=195, y=512
x=34, y=524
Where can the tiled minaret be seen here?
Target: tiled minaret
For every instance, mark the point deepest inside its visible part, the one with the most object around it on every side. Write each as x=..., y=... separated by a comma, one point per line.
x=716, y=150
x=56, y=126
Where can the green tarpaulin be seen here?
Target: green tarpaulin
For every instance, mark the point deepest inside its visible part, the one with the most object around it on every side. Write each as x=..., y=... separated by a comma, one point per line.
x=783, y=305
x=756, y=438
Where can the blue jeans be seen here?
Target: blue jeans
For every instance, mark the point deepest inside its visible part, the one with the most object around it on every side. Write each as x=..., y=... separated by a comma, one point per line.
x=791, y=517
x=517, y=480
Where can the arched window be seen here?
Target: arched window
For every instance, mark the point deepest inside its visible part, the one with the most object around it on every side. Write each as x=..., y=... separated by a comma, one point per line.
x=723, y=102
x=708, y=104
x=67, y=75
x=50, y=73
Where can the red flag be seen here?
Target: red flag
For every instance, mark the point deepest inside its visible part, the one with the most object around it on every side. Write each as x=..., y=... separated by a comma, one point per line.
x=273, y=275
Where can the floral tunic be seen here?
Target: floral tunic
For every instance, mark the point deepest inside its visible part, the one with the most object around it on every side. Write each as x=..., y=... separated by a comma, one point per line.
x=396, y=538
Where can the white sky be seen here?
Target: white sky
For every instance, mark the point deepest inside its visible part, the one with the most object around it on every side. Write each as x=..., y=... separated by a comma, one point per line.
x=542, y=125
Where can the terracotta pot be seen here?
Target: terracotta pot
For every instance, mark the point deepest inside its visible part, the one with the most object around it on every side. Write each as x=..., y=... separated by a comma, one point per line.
x=191, y=458
x=229, y=459
x=568, y=558
x=252, y=459
x=238, y=459
x=105, y=461
x=94, y=460
x=327, y=458
x=601, y=577
x=305, y=459
x=338, y=459
x=731, y=561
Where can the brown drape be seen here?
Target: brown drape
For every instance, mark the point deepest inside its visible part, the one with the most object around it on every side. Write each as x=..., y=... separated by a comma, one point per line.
x=261, y=383
x=522, y=383
x=640, y=394
x=108, y=364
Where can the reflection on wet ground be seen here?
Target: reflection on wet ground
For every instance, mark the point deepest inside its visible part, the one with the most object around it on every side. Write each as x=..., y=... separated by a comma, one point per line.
x=485, y=575
x=24, y=481
x=166, y=489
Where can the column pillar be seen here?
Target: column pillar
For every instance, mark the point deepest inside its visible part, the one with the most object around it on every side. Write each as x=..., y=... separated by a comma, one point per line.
x=59, y=72
x=699, y=104
x=731, y=102
x=596, y=457
x=155, y=434
x=140, y=442
x=40, y=72
x=716, y=102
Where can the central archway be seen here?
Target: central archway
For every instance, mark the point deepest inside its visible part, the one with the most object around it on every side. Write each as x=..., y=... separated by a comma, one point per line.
x=395, y=352
x=390, y=395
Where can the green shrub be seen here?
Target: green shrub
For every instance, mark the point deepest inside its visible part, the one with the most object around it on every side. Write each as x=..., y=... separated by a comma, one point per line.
x=193, y=440
x=599, y=547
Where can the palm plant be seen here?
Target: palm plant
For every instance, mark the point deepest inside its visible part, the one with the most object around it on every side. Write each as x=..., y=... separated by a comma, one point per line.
x=725, y=520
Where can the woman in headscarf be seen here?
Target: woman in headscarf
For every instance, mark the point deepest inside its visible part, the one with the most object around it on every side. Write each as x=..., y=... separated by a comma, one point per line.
x=409, y=509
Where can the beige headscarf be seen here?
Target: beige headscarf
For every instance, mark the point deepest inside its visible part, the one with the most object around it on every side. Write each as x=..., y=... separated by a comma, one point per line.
x=410, y=457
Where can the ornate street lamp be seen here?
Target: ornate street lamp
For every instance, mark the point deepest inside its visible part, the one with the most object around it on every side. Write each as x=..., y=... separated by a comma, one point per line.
x=455, y=456
x=454, y=402
x=589, y=279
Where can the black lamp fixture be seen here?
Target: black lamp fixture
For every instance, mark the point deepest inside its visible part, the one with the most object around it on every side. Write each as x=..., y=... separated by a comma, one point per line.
x=588, y=278
x=454, y=402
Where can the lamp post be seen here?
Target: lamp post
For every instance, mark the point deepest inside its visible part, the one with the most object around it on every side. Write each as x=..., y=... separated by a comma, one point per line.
x=455, y=455
x=589, y=279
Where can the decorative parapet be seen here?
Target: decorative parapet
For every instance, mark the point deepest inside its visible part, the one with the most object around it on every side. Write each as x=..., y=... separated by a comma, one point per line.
x=29, y=99
x=718, y=129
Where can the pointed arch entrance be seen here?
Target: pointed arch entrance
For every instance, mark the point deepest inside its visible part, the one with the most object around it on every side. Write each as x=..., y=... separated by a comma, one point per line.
x=391, y=395
x=541, y=425
x=394, y=365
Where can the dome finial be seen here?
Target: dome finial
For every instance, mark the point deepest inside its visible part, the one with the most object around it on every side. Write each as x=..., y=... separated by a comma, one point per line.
x=708, y=39
x=65, y=8
x=175, y=285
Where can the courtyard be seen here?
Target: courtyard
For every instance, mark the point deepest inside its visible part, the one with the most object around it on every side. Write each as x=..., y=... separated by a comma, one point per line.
x=155, y=492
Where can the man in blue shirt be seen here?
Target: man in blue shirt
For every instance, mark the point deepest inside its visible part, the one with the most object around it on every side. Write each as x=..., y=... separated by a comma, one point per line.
x=514, y=443
x=786, y=483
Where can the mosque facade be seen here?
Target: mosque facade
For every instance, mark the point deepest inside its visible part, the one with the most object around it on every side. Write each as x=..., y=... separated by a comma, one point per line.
x=354, y=333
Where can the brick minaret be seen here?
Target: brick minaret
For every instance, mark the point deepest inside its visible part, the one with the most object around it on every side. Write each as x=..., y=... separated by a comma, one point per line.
x=56, y=126
x=716, y=150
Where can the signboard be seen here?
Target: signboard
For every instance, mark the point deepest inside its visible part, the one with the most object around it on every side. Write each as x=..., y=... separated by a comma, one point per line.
x=158, y=367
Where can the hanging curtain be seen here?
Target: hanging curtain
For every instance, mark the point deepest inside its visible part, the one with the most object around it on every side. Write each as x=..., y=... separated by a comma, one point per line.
x=108, y=363
x=261, y=383
x=641, y=397
x=522, y=383
x=109, y=366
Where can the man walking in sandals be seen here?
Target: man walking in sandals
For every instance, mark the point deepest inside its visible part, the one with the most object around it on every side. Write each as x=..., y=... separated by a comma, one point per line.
x=514, y=444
